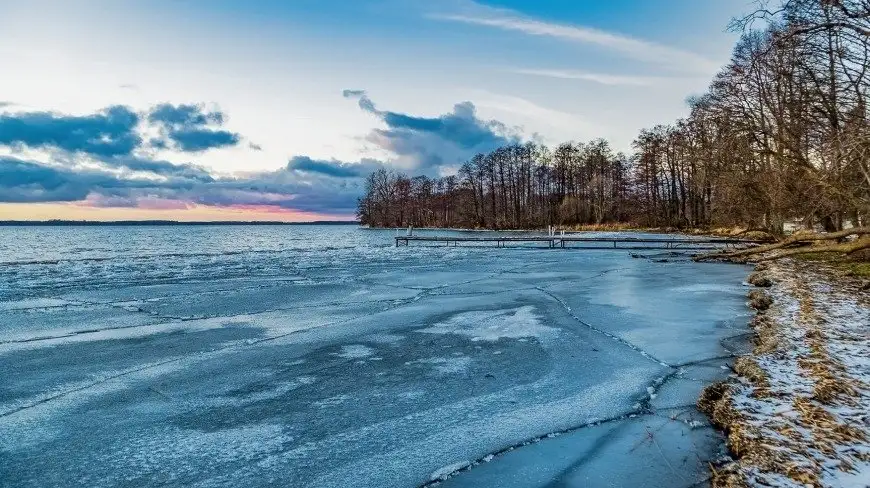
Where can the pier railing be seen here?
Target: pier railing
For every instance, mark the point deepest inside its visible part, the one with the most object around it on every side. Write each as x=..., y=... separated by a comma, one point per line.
x=581, y=242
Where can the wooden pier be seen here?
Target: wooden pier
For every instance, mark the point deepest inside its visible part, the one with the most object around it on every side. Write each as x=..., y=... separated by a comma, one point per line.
x=580, y=242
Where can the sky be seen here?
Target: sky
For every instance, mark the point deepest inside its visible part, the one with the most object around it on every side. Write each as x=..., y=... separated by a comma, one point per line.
x=277, y=110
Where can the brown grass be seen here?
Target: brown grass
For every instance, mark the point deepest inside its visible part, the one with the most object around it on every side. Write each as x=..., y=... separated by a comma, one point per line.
x=748, y=368
x=767, y=337
x=827, y=431
x=759, y=300
x=605, y=227
x=760, y=279
x=856, y=266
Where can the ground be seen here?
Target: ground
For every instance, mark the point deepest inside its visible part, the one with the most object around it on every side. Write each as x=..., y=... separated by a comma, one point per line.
x=798, y=411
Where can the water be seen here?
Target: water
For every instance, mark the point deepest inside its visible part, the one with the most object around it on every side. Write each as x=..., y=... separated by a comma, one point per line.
x=324, y=356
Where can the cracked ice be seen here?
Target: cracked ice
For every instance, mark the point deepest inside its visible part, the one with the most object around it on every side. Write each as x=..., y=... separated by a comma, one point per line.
x=301, y=362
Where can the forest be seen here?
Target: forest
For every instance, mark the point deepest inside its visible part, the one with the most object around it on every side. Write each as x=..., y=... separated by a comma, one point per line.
x=781, y=135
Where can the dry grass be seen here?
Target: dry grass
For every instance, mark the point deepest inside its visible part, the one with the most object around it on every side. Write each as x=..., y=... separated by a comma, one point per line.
x=827, y=431
x=759, y=300
x=605, y=227
x=748, y=368
x=760, y=279
x=832, y=385
x=857, y=266
x=767, y=337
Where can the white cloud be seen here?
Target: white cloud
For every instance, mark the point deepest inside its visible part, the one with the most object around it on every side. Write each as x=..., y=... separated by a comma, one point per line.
x=638, y=49
x=557, y=125
x=601, y=78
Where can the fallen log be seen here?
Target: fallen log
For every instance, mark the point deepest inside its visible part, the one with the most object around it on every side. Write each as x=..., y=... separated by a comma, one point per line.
x=844, y=248
x=798, y=244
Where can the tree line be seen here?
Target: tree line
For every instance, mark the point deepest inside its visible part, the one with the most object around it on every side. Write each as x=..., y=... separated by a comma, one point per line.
x=781, y=134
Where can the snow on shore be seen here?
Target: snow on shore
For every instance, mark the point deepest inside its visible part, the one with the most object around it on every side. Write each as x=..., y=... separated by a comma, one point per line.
x=798, y=411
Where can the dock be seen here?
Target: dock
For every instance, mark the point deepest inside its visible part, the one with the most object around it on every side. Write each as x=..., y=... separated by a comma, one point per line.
x=581, y=242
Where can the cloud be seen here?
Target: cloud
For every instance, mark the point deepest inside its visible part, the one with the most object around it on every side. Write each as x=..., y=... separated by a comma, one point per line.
x=567, y=124
x=364, y=102
x=109, y=132
x=102, y=159
x=31, y=181
x=115, y=131
x=161, y=168
x=601, y=78
x=189, y=128
x=638, y=49
x=434, y=144
x=334, y=168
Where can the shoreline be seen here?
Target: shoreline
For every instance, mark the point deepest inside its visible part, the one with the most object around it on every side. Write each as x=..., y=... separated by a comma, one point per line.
x=735, y=232
x=795, y=408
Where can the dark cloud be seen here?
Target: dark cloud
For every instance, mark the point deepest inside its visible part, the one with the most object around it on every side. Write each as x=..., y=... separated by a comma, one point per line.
x=198, y=140
x=183, y=115
x=110, y=132
x=334, y=168
x=364, y=101
x=115, y=131
x=431, y=143
x=190, y=128
x=161, y=168
x=29, y=181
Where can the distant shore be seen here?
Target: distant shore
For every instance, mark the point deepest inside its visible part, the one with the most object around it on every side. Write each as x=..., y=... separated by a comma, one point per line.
x=715, y=232
x=48, y=223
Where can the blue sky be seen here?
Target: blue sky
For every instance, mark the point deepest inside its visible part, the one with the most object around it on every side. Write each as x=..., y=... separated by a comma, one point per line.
x=262, y=86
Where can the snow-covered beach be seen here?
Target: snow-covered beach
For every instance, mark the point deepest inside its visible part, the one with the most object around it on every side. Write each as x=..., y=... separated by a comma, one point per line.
x=323, y=356
x=798, y=410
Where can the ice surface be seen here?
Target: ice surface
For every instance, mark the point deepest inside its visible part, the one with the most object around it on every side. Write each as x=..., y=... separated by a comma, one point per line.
x=325, y=357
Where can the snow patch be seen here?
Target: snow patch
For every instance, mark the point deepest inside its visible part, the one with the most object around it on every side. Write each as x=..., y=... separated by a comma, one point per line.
x=29, y=303
x=390, y=339
x=355, y=351
x=449, y=365
x=518, y=323
x=280, y=389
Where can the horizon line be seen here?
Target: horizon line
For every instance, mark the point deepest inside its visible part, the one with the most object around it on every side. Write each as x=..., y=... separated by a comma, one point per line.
x=171, y=222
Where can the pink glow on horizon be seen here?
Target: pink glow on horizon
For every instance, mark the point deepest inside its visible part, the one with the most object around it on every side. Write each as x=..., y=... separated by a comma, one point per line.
x=158, y=209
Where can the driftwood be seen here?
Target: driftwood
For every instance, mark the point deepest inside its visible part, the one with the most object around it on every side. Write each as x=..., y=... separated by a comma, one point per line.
x=799, y=244
x=755, y=230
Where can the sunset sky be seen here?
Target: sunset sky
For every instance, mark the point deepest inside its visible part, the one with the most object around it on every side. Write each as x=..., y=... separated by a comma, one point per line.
x=276, y=110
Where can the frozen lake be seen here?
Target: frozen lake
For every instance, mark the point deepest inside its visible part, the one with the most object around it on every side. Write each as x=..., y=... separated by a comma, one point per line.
x=322, y=356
